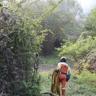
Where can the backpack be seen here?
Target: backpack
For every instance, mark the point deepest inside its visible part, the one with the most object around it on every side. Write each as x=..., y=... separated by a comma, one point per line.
x=64, y=75
x=64, y=69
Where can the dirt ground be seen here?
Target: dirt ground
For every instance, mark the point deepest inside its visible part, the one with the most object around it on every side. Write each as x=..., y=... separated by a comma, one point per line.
x=45, y=68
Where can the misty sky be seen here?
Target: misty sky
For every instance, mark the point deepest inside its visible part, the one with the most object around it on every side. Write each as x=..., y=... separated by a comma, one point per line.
x=87, y=5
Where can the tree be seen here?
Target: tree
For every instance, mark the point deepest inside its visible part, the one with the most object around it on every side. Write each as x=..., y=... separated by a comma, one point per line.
x=21, y=36
x=79, y=49
x=18, y=45
x=90, y=23
x=63, y=23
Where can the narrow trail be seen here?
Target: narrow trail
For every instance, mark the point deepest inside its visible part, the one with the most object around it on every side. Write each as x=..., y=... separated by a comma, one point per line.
x=47, y=68
x=74, y=88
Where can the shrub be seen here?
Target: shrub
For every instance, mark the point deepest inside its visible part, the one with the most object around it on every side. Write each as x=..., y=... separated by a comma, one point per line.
x=79, y=49
x=18, y=63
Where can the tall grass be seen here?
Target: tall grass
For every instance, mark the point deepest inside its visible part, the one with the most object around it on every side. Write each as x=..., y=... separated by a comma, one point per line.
x=84, y=85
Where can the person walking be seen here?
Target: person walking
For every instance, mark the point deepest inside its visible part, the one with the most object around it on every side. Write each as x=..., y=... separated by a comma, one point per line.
x=64, y=75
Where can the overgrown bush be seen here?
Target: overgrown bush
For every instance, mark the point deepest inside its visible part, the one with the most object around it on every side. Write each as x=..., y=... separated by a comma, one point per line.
x=91, y=60
x=81, y=53
x=19, y=44
x=79, y=49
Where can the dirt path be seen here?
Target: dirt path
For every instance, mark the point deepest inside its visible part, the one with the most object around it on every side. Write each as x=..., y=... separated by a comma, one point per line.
x=45, y=68
x=75, y=86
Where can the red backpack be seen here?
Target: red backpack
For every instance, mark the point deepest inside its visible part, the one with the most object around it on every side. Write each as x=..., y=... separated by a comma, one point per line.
x=63, y=72
x=64, y=69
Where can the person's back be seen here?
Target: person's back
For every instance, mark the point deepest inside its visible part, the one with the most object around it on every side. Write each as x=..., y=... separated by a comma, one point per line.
x=63, y=67
x=64, y=75
x=60, y=77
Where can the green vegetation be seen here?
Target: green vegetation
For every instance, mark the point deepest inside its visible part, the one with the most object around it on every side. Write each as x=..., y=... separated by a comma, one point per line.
x=21, y=36
x=17, y=53
x=45, y=82
x=51, y=59
x=84, y=85
x=79, y=49
x=28, y=29
x=85, y=44
x=90, y=24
